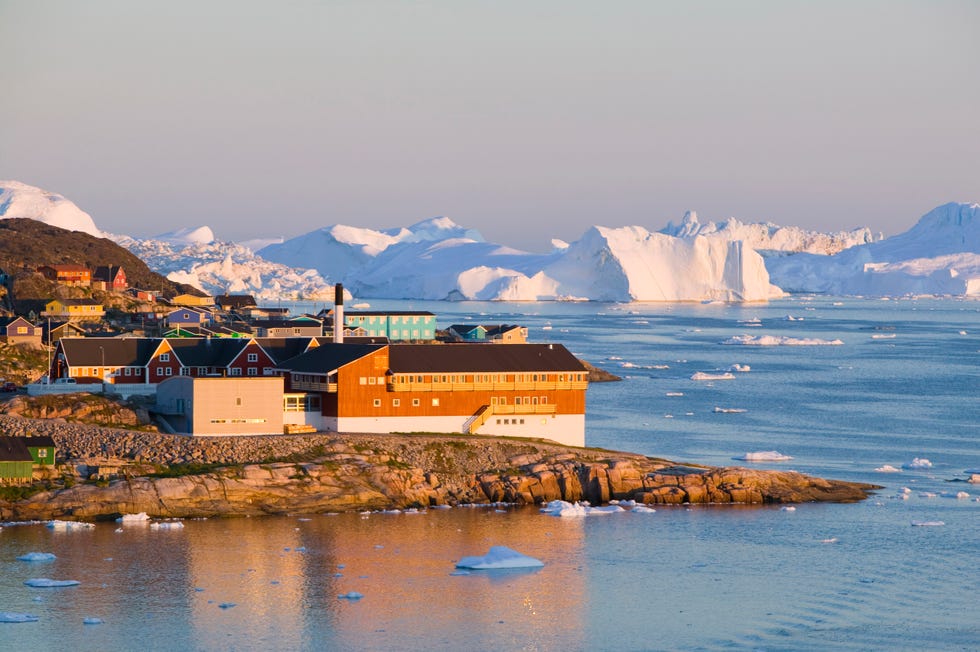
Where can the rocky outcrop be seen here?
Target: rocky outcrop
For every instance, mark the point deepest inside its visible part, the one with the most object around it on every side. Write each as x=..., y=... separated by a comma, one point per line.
x=355, y=472
x=92, y=409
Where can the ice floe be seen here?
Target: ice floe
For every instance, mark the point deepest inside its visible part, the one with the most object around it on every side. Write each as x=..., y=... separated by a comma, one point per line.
x=37, y=556
x=764, y=456
x=883, y=336
x=775, y=340
x=91, y=620
x=45, y=583
x=499, y=557
x=13, y=617
x=129, y=519
x=740, y=368
x=350, y=595
x=700, y=375
x=927, y=523
x=166, y=525
x=62, y=526
x=721, y=410
x=918, y=463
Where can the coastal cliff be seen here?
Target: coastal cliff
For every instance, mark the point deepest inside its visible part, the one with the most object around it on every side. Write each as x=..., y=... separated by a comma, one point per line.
x=172, y=476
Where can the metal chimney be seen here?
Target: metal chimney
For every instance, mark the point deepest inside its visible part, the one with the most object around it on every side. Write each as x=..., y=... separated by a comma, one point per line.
x=338, y=314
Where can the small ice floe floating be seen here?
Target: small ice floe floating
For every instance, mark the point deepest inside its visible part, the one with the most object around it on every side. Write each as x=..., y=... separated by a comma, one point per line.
x=166, y=525
x=91, y=620
x=132, y=519
x=45, y=583
x=928, y=523
x=499, y=557
x=764, y=456
x=37, y=556
x=14, y=617
x=918, y=463
x=353, y=596
x=65, y=526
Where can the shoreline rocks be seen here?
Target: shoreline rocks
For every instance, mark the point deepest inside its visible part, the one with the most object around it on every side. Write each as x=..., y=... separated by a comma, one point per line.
x=346, y=472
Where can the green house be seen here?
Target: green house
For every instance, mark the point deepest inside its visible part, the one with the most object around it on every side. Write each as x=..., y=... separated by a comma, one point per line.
x=16, y=463
x=41, y=448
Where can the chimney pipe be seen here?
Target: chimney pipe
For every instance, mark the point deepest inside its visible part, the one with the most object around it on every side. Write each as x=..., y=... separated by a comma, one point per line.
x=338, y=314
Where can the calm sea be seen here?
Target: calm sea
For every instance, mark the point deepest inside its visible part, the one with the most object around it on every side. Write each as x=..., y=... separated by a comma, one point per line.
x=897, y=572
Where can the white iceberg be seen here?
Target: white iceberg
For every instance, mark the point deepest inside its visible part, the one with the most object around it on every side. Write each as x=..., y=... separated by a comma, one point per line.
x=721, y=410
x=775, y=340
x=133, y=518
x=927, y=523
x=764, y=456
x=13, y=617
x=888, y=468
x=63, y=526
x=37, y=556
x=918, y=463
x=497, y=558
x=167, y=525
x=700, y=375
x=45, y=583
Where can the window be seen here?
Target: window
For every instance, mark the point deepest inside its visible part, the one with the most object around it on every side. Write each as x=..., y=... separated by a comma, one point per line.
x=381, y=380
x=22, y=330
x=268, y=371
x=138, y=372
x=164, y=357
x=235, y=371
x=253, y=371
x=42, y=452
x=435, y=402
x=396, y=402
x=253, y=357
x=159, y=371
x=415, y=402
x=169, y=371
x=238, y=401
x=372, y=380
x=377, y=402
x=128, y=372
x=363, y=380
x=185, y=371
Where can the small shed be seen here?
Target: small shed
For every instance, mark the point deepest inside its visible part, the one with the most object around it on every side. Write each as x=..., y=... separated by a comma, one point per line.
x=41, y=448
x=16, y=463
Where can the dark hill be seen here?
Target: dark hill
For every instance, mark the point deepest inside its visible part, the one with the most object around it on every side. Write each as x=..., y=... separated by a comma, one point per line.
x=26, y=244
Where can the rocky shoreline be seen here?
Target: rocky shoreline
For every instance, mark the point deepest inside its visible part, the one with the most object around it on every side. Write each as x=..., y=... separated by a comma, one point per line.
x=174, y=476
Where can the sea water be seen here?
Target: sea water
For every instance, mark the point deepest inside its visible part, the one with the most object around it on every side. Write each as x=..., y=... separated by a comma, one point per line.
x=846, y=387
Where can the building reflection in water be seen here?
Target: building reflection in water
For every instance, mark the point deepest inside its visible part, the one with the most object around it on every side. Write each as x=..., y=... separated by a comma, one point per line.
x=284, y=576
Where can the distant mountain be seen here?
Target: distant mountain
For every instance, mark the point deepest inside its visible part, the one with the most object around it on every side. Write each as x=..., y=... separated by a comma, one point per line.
x=939, y=255
x=21, y=200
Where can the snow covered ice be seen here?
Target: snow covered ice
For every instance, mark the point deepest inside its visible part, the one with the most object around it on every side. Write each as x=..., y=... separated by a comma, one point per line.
x=764, y=456
x=499, y=557
x=37, y=556
x=14, y=617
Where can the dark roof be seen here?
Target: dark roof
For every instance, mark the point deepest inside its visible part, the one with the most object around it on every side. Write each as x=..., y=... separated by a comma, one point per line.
x=12, y=449
x=284, y=348
x=235, y=300
x=519, y=358
x=117, y=351
x=36, y=441
x=285, y=323
x=107, y=273
x=328, y=357
x=207, y=352
x=7, y=321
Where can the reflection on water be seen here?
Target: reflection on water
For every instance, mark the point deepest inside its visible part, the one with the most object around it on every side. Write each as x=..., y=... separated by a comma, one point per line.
x=175, y=589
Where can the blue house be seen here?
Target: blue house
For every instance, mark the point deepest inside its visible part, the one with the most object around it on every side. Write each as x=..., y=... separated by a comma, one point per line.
x=187, y=316
x=401, y=326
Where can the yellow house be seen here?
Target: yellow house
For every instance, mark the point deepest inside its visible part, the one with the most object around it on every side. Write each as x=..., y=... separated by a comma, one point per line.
x=191, y=300
x=74, y=309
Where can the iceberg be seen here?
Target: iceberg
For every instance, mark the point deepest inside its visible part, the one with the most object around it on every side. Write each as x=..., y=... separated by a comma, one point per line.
x=700, y=375
x=166, y=525
x=764, y=456
x=65, y=526
x=887, y=468
x=499, y=557
x=774, y=340
x=133, y=518
x=45, y=583
x=13, y=617
x=918, y=463
x=91, y=620
x=21, y=200
x=37, y=556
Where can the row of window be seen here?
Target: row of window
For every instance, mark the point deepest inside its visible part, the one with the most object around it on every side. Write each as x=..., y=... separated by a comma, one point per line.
x=487, y=378
x=251, y=357
x=520, y=400
x=397, y=402
x=238, y=420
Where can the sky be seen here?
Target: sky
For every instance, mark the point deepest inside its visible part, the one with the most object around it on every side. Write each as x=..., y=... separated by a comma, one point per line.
x=526, y=120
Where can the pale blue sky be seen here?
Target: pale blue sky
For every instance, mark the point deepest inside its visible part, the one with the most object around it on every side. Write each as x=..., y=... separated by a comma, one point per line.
x=526, y=120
